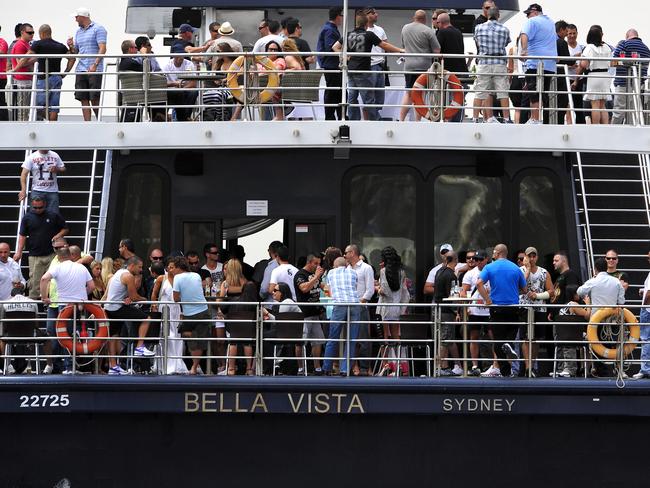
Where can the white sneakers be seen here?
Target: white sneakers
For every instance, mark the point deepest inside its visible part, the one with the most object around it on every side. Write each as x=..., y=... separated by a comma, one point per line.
x=491, y=372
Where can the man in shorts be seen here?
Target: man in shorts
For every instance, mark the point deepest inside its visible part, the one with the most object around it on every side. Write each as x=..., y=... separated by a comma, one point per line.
x=121, y=293
x=196, y=316
x=90, y=38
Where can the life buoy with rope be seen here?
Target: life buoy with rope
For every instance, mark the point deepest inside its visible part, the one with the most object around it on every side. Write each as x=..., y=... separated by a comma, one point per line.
x=426, y=94
x=594, y=341
x=236, y=69
x=83, y=346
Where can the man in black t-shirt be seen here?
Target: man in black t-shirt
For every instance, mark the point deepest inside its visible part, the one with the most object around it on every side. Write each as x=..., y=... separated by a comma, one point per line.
x=49, y=84
x=42, y=228
x=444, y=283
x=294, y=30
x=361, y=41
x=566, y=277
x=307, y=286
x=451, y=42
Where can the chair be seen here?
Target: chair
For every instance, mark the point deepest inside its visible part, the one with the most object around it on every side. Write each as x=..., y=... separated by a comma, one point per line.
x=25, y=324
x=288, y=327
x=410, y=331
x=299, y=86
x=131, y=95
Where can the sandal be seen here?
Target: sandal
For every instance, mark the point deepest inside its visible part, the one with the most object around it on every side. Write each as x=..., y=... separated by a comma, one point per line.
x=249, y=372
x=231, y=371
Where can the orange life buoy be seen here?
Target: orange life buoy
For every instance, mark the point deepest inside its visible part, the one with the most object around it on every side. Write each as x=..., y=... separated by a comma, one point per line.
x=82, y=346
x=236, y=69
x=594, y=341
x=431, y=111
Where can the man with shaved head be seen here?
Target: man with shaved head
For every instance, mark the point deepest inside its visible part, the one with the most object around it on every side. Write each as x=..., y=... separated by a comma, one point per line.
x=630, y=47
x=507, y=282
x=451, y=42
x=417, y=37
x=9, y=272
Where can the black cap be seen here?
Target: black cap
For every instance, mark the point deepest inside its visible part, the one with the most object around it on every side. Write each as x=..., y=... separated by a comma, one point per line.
x=533, y=6
x=480, y=255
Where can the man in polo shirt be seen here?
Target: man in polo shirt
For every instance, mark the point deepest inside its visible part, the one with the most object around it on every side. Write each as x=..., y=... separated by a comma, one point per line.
x=342, y=283
x=43, y=228
x=630, y=47
x=196, y=317
x=506, y=283
x=90, y=38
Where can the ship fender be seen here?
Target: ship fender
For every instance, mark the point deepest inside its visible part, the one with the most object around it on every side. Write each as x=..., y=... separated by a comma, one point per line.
x=237, y=68
x=592, y=333
x=426, y=90
x=82, y=346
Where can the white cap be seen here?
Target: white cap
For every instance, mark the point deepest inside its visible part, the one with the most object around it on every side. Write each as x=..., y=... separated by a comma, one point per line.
x=446, y=247
x=82, y=12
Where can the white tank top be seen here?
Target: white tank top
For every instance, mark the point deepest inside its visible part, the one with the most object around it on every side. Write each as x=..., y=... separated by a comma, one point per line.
x=117, y=291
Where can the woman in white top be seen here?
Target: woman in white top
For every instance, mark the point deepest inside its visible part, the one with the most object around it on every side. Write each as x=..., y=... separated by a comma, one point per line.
x=163, y=292
x=599, y=80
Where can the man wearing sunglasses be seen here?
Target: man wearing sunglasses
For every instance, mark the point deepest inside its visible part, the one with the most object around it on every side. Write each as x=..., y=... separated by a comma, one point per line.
x=39, y=229
x=611, y=257
x=22, y=78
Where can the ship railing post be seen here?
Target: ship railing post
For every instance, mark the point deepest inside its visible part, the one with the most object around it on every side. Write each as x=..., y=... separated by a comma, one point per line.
x=347, y=342
x=259, y=340
x=540, y=90
x=552, y=102
x=436, y=340
x=530, y=326
x=165, y=331
x=74, y=338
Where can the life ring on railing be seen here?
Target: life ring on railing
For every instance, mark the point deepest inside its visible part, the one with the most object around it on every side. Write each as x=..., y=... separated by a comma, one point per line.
x=594, y=341
x=236, y=69
x=422, y=93
x=83, y=346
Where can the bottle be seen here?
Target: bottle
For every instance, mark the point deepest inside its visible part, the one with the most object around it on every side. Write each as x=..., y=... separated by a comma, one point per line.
x=207, y=290
x=214, y=291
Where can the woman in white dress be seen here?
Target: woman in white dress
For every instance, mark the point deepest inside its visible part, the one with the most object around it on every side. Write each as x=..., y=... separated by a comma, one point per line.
x=163, y=292
x=599, y=79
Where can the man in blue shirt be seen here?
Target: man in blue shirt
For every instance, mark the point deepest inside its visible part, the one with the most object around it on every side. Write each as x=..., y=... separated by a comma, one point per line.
x=196, y=317
x=631, y=47
x=538, y=38
x=330, y=35
x=90, y=38
x=507, y=282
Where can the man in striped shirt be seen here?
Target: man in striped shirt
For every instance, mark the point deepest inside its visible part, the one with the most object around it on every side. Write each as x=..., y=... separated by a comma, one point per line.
x=342, y=283
x=631, y=47
x=492, y=74
x=90, y=38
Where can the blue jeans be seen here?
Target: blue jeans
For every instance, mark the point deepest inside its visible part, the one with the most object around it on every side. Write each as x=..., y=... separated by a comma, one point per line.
x=645, y=336
x=338, y=322
x=51, y=199
x=53, y=93
x=359, y=84
x=378, y=80
x=57, y=349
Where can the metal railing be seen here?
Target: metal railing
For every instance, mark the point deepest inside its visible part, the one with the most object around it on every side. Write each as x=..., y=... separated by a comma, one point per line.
x=255, y=98
x=426, y=334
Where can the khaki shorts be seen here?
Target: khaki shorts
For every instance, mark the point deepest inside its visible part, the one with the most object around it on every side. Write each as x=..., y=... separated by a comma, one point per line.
x=38, y=266
x=491, y=78
x=312, y=329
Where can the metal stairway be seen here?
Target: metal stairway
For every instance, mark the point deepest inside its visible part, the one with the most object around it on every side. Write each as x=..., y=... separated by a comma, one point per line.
x=612, y=196
x=80, y=190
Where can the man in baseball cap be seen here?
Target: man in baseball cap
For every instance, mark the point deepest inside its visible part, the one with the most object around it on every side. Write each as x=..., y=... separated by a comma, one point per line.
x=429, y=285
x=184, y=42
x=534, y=7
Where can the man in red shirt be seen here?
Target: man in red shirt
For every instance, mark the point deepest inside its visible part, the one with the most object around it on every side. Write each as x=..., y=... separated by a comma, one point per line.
x=4, y=49
x=22, y=77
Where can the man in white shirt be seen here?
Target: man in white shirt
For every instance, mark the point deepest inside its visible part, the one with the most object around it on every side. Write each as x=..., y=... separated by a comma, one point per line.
x=377, y=62
x=603, y=289
x=43, y=165
x=284, y=273
x=181, y=92
x=645, y=329
x=365, y=291
x=10, y=273
x=268, y=32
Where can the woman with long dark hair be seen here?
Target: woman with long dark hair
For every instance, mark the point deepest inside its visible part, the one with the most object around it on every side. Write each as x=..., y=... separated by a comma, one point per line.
x=392, y=289
x=599, y=80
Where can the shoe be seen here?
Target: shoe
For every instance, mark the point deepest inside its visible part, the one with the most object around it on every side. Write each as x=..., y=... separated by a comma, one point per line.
x=199, y=371
x=640, y=376
x=117, y=370
x=509, y=351
x=624, y=375
x=491, y=372
x=458, y=371
x=531, y=375
x=68, y=372
x=565, y=373
x=48, y=369
x=446, y=372
x=143, y=351
x=10, y=369
x=318, y=372
x=534, y=122
x=222, y=372
x=508, y=121
x=475, y=371
x=493, y=120
x=301, y=372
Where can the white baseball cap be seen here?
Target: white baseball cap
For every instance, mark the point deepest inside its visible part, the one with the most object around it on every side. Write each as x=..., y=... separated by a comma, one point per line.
x=82, y=12
x=447, y=248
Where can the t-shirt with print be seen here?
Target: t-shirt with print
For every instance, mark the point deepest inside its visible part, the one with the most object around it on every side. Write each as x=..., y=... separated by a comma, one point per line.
x=312, y=296
x=536, y=282
x=40, y=166
x=216, y=274
x=569, y=277
x=285, y=273
x=471, y=278
x=361, y=41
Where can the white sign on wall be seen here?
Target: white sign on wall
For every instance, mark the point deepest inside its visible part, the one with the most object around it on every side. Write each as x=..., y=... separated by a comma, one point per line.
x=257, y=208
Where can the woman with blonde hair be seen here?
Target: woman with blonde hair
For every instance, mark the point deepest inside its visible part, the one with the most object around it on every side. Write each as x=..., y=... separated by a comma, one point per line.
x=107, y=269
x=234, y=280
x=292, y=61
x=100, y=287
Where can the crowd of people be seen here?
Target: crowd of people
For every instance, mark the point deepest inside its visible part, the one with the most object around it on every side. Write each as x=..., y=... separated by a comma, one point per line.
x=500, y=83
x=335, y=292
